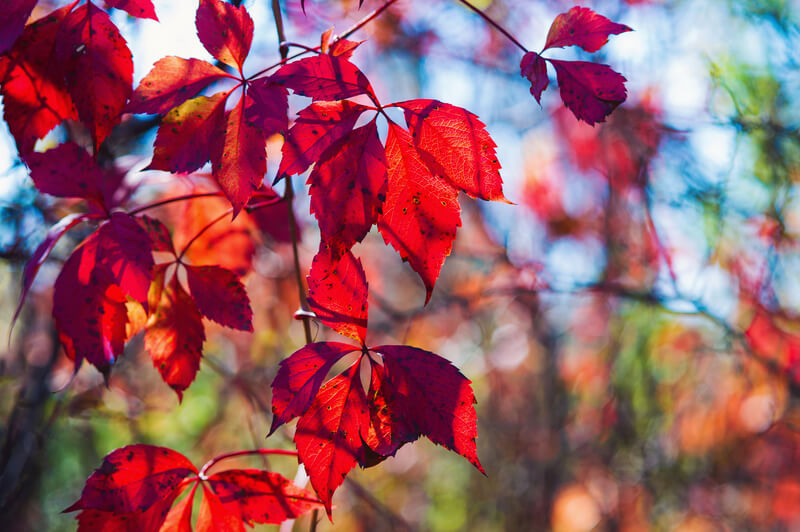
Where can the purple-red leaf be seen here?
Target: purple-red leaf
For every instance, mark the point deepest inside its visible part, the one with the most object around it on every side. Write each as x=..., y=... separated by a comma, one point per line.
x=172, y=81
x=66, y=171
x=158, y=233
x=347, y=188
x=337, y=293
x=324, y=77
x=225, y=30
x=317, y=127
x=220, y=296
x=534, y=67
x=267, y=106
x=421, y=211
x=13, y=21
x=299, y=378
x=590, y=90
x=135, y=8
x=454, y=143
x=580, y=26
x=97, y=66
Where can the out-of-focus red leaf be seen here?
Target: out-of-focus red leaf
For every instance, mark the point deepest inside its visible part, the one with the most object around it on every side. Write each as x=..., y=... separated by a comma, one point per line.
x=421, y=212
x=344, y=48
x=774, y=343
x=590, y=90
x=172, y=81
x=97, y=66
x=580, y=26
x=271, y=220
x=299, y=378
x=267, y=105
x=175, y=338
x=433, y=398
x=12, y=25
x=239, y=157
x=132, y=490
x=225, y=30
x=328, y=435
x=186, y=134
x=317, y=127
x=220, y=296
x=35, y=98
x=324, y=77
x=454, y=143
x=534, y=67
x=158, y=233
x=348, y=185
x=337, y=293
x=135, y=8
x=66, y=171
x=255, y=496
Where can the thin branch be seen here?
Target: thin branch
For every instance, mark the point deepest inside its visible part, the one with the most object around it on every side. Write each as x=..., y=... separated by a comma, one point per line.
x=203, y=230
x=225, y=456
x=496, y=25
x=149, y=206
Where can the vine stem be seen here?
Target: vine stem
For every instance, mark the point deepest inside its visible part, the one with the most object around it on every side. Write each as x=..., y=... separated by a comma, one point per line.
x=149, y=206
x=208, y=465
x=203, y=230
x=495, y=24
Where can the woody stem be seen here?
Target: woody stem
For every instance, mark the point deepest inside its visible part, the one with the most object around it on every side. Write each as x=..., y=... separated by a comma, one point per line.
x=225, y=456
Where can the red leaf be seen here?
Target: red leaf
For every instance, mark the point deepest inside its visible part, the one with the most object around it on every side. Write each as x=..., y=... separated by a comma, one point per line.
x=454, y=143
x=347, y=188
x=337, y=293
x=40, y=256
x=386, y=431
x=255, y=496
x=580, y=26
x=324, y=77
x=172, y=81
x=220, y=296
x=13, y=22
x=179, y=519
x=299, y=378
x=125, y=252
x=433, y=398
x=773, y=341
x=134, y=478
x=35, y=99
x=590, y=90
x=135, y=8
x=150, y=519
x=175, y=338
x=239, y=157
x=225, y=30
x=344, y=48
x=97, y=67
x=267, y=106
x=186, y=133
x=317, y=127
x=271, y=219
x=421, y=211
x=534, y=67
x=66, y=171
x=328, y=435
x=158, y=233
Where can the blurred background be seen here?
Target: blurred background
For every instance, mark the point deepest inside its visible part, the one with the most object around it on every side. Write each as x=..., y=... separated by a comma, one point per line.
x=631, y=326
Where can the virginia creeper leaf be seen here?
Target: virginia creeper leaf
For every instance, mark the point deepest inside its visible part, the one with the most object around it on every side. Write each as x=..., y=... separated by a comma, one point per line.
x=324, y=77
x=135, y=8
x=337, y=293
x=347, y=188
x=328, y=435
x=97, y=66
x=13, y=22
x=580, y=26
x=454, y=143
x=299, y=378
x=172, y=81
x=186, y=133
x=534, y=67
x=590, y=90
x=267, y=105
x=158, y=233
x=317, y=127
x=214, y=517
x=35, y=98
x=386, y=431
x=66, y=171
x=225, y=30
x=220, y=296
x=175, y=338
x=421, y=211
x=433, y=397
x=124, y=251
x=179, y=519
x=271, y=219
x=239, y=157
x=255, y=496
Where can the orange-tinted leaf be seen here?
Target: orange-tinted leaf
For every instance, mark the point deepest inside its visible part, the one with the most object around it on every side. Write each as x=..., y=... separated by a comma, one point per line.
x=421, y=211
x=580, y=26
x=337, y=293
x=220, y=296
x=225, y=30
x=214, y=517
x=172, y=81
x=179, y=519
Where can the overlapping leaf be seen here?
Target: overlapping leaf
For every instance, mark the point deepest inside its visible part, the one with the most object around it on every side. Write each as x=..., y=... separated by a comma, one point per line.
x=13, y=22
x=135, y=8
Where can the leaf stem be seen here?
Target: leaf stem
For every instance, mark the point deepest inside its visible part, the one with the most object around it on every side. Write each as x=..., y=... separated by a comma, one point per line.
x=298, y=272
x=149, y=206
x=496, y=25
x=203, y=230
x=208, y=465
